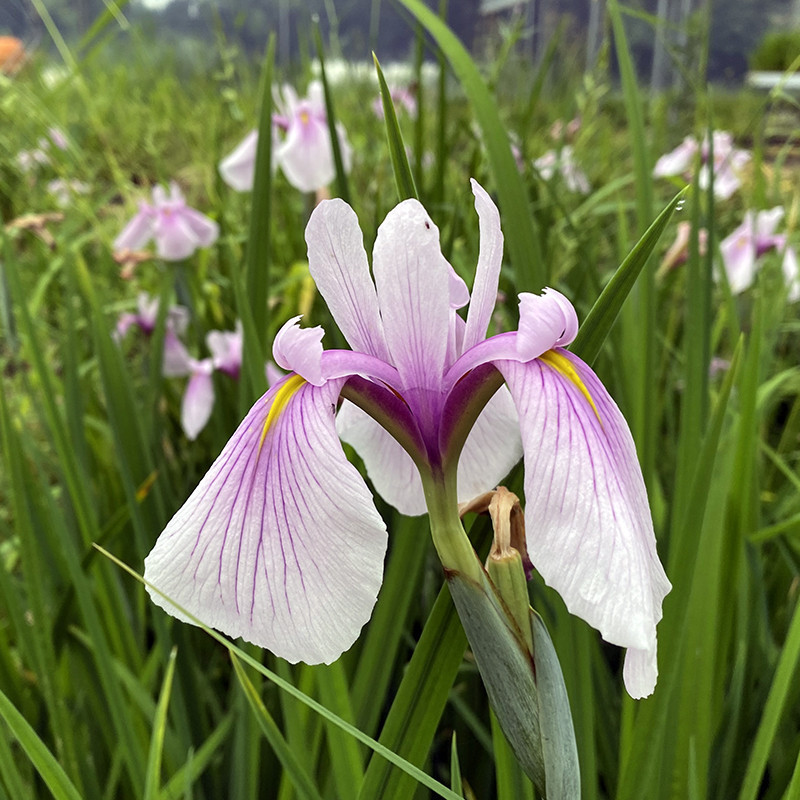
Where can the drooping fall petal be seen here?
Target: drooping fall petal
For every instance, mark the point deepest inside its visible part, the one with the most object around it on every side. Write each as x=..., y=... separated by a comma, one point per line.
x=239, y=166
x=280, y=543
x=198, y=400
x=590, y=533
x=138, y=231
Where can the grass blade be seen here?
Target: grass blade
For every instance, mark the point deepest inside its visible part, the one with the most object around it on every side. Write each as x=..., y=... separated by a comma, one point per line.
x=604, y=312
x=301, y=780
x=403, y=176
x=152, y=778
x=41, y=758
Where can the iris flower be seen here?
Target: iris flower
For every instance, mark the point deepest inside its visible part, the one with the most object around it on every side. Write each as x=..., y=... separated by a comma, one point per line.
x=177, y=229
x=301, y=144
x=198, y=398
x=146, y=315
x=728, y=163
x=304, y=153
x=743, y=248
x=563, y=162
x=402, y=97
x=281, y=542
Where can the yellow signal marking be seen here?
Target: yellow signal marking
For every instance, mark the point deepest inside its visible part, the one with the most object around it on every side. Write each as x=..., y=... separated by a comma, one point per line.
x=279, y=403
x=563, y=366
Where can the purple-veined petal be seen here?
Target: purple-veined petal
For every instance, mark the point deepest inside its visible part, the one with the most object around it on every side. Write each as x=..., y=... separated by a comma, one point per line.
x=492, y=447
x=280, y=543
x=412, y=279
x=590, y=533
x=389, y=467
x=138, y=231
x=338, y=264
x=239, y=166
x=198, y=400
x=300, y=350
x=487, y=273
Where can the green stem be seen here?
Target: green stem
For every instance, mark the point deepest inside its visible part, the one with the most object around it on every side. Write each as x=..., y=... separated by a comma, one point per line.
x=449, y=537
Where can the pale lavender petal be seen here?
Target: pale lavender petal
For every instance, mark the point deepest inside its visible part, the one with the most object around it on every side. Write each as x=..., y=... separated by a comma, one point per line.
x=678, y=161
x=492, y=447
x=390, y=468
x=125, y=322
x=545, y=321
x=487, y=273
x=226, y=350
x=305, y=155
x=273, y=374
x=412, y=280
x=238, y=167
x=204, y=228
x=739, y=257
x=791, y=274
x=177, y=361
x=160, y=196
x=766, y=222
x=590, y=533
x=198, y=400
x=280, y=543
x=641, y=671
x=338, y=264
x=175, y=240
x=315, y=95
x=345, y=148
x=726, y=182
x=176, y=196
x=138, y=231
x=300, y=350
x=457, y=289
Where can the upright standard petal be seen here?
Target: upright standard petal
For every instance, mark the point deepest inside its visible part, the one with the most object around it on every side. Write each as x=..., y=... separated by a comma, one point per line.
x=487, y=273
x=590, y=533
x=338, y=264
x=280, y=543
x=413, y=284
x=305, y=155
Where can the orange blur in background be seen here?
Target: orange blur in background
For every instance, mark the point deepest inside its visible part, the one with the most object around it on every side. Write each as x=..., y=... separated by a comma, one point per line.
x=12, y=54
